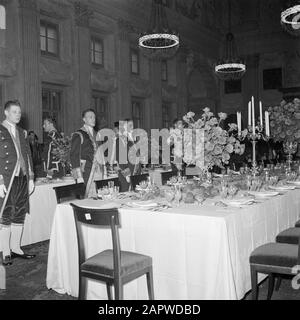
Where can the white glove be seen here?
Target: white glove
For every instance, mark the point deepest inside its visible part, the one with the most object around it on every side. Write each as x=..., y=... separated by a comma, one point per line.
x=80, y=180
x=31, y=186
x=2, y=190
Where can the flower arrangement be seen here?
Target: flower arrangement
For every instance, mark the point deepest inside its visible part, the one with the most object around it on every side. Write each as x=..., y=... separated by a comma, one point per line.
x=213, y=148
x=285, y=121
x=61, y=151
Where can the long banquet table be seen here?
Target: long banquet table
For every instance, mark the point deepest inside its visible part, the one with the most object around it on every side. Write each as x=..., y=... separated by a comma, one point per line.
x=38, y=223
x=198, y=252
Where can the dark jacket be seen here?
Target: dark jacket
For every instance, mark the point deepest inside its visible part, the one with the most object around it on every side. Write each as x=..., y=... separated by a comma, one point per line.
x=8, y=160
x=82, y=153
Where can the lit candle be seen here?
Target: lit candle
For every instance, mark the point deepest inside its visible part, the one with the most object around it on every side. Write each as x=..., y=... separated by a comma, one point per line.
x=253, y=115
x=249, y=114
x=260, y=113
x=267, y=122
x=239, y=122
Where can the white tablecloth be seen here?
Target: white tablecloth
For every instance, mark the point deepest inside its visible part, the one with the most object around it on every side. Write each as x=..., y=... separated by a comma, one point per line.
x=38, y=223
x=198, y=252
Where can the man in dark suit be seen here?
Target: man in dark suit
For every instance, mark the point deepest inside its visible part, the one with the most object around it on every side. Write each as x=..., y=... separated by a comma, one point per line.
x=83, y=148
x=16, y=182
x=124, y=143
x=51, y=164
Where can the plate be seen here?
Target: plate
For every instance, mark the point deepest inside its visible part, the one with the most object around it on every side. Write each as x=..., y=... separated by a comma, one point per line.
x=68, y=178
x=282, y=188
x=145, y=204
x=264, y=194
x=238, y=202
x=295, y=183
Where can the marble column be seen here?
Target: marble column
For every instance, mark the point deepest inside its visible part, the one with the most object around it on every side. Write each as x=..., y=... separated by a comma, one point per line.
x=82, y=62
x=29, y=34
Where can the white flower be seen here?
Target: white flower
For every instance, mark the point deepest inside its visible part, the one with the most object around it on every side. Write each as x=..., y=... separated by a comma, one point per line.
x=190, y=114
x=222, y=115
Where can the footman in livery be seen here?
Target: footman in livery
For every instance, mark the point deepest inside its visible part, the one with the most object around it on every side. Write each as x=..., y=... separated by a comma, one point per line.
x=16, y=183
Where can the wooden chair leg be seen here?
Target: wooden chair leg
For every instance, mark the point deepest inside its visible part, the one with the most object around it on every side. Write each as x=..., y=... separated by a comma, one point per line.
x=271, y=286
x=278, y=283
x=118, y=290
x=108, y=289
x=150, y=284
x=82, y=288
x=254, y=283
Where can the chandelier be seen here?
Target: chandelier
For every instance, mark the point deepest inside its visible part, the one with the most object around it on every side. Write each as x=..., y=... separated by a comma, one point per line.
x=290, y=18
x=230, y=66
x=159, y=42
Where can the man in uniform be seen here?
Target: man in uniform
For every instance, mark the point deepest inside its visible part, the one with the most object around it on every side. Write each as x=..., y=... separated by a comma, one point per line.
x=16, y=182
x=124, y=143
x=51, y=164
x=83, y=148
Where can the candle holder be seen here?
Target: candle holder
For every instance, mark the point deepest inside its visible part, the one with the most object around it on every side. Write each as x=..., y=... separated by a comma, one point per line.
x=254, y=137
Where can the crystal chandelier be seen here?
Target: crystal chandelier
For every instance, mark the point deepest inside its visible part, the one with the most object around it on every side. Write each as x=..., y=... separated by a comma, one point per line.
x=290, y=18
x=230, y=66
x=159, y=42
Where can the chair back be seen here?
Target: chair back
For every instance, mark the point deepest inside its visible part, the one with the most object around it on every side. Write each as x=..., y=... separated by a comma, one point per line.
x=70, y=192
x=166, y=176
x=101, y=218
x=137, y=179
x=104, y=183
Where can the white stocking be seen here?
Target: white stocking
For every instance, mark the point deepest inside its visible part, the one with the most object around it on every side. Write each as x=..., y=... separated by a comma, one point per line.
x=4, y=240
x=15, y=239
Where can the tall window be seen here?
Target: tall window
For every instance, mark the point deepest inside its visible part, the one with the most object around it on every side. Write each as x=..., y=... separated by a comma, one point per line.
x=49, y=38
x=52, y=105
x=135, y=61
x=137, y=112
x=166, y=115
x=100, y=102
x=97, y=51
x=2, y=18
x=164, y=70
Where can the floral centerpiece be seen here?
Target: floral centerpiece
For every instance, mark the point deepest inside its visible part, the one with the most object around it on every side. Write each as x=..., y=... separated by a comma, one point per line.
x=285, y=121
x=61, y=152
x=217, y=143
x=285, y=126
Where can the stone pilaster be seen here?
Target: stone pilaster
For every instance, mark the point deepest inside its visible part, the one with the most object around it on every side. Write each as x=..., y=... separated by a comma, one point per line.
x=29, y=34
x=82, y=37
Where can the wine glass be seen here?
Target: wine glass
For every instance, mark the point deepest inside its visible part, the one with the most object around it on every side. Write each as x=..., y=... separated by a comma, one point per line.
x=169, y=194
x=178, y=195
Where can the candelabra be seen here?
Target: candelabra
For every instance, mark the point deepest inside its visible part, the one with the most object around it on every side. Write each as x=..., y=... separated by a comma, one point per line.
x=254, y=136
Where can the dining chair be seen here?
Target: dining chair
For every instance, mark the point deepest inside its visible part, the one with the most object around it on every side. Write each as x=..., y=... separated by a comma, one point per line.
x=70, y=192
x=274, y=259
x=137, y=179
x=291, y=236
x=166, y=176
x=113, y=267
x=104, y=183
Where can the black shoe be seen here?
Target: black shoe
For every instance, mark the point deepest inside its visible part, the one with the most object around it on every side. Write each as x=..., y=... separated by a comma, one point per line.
x=7, y=261
x=22, y=256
